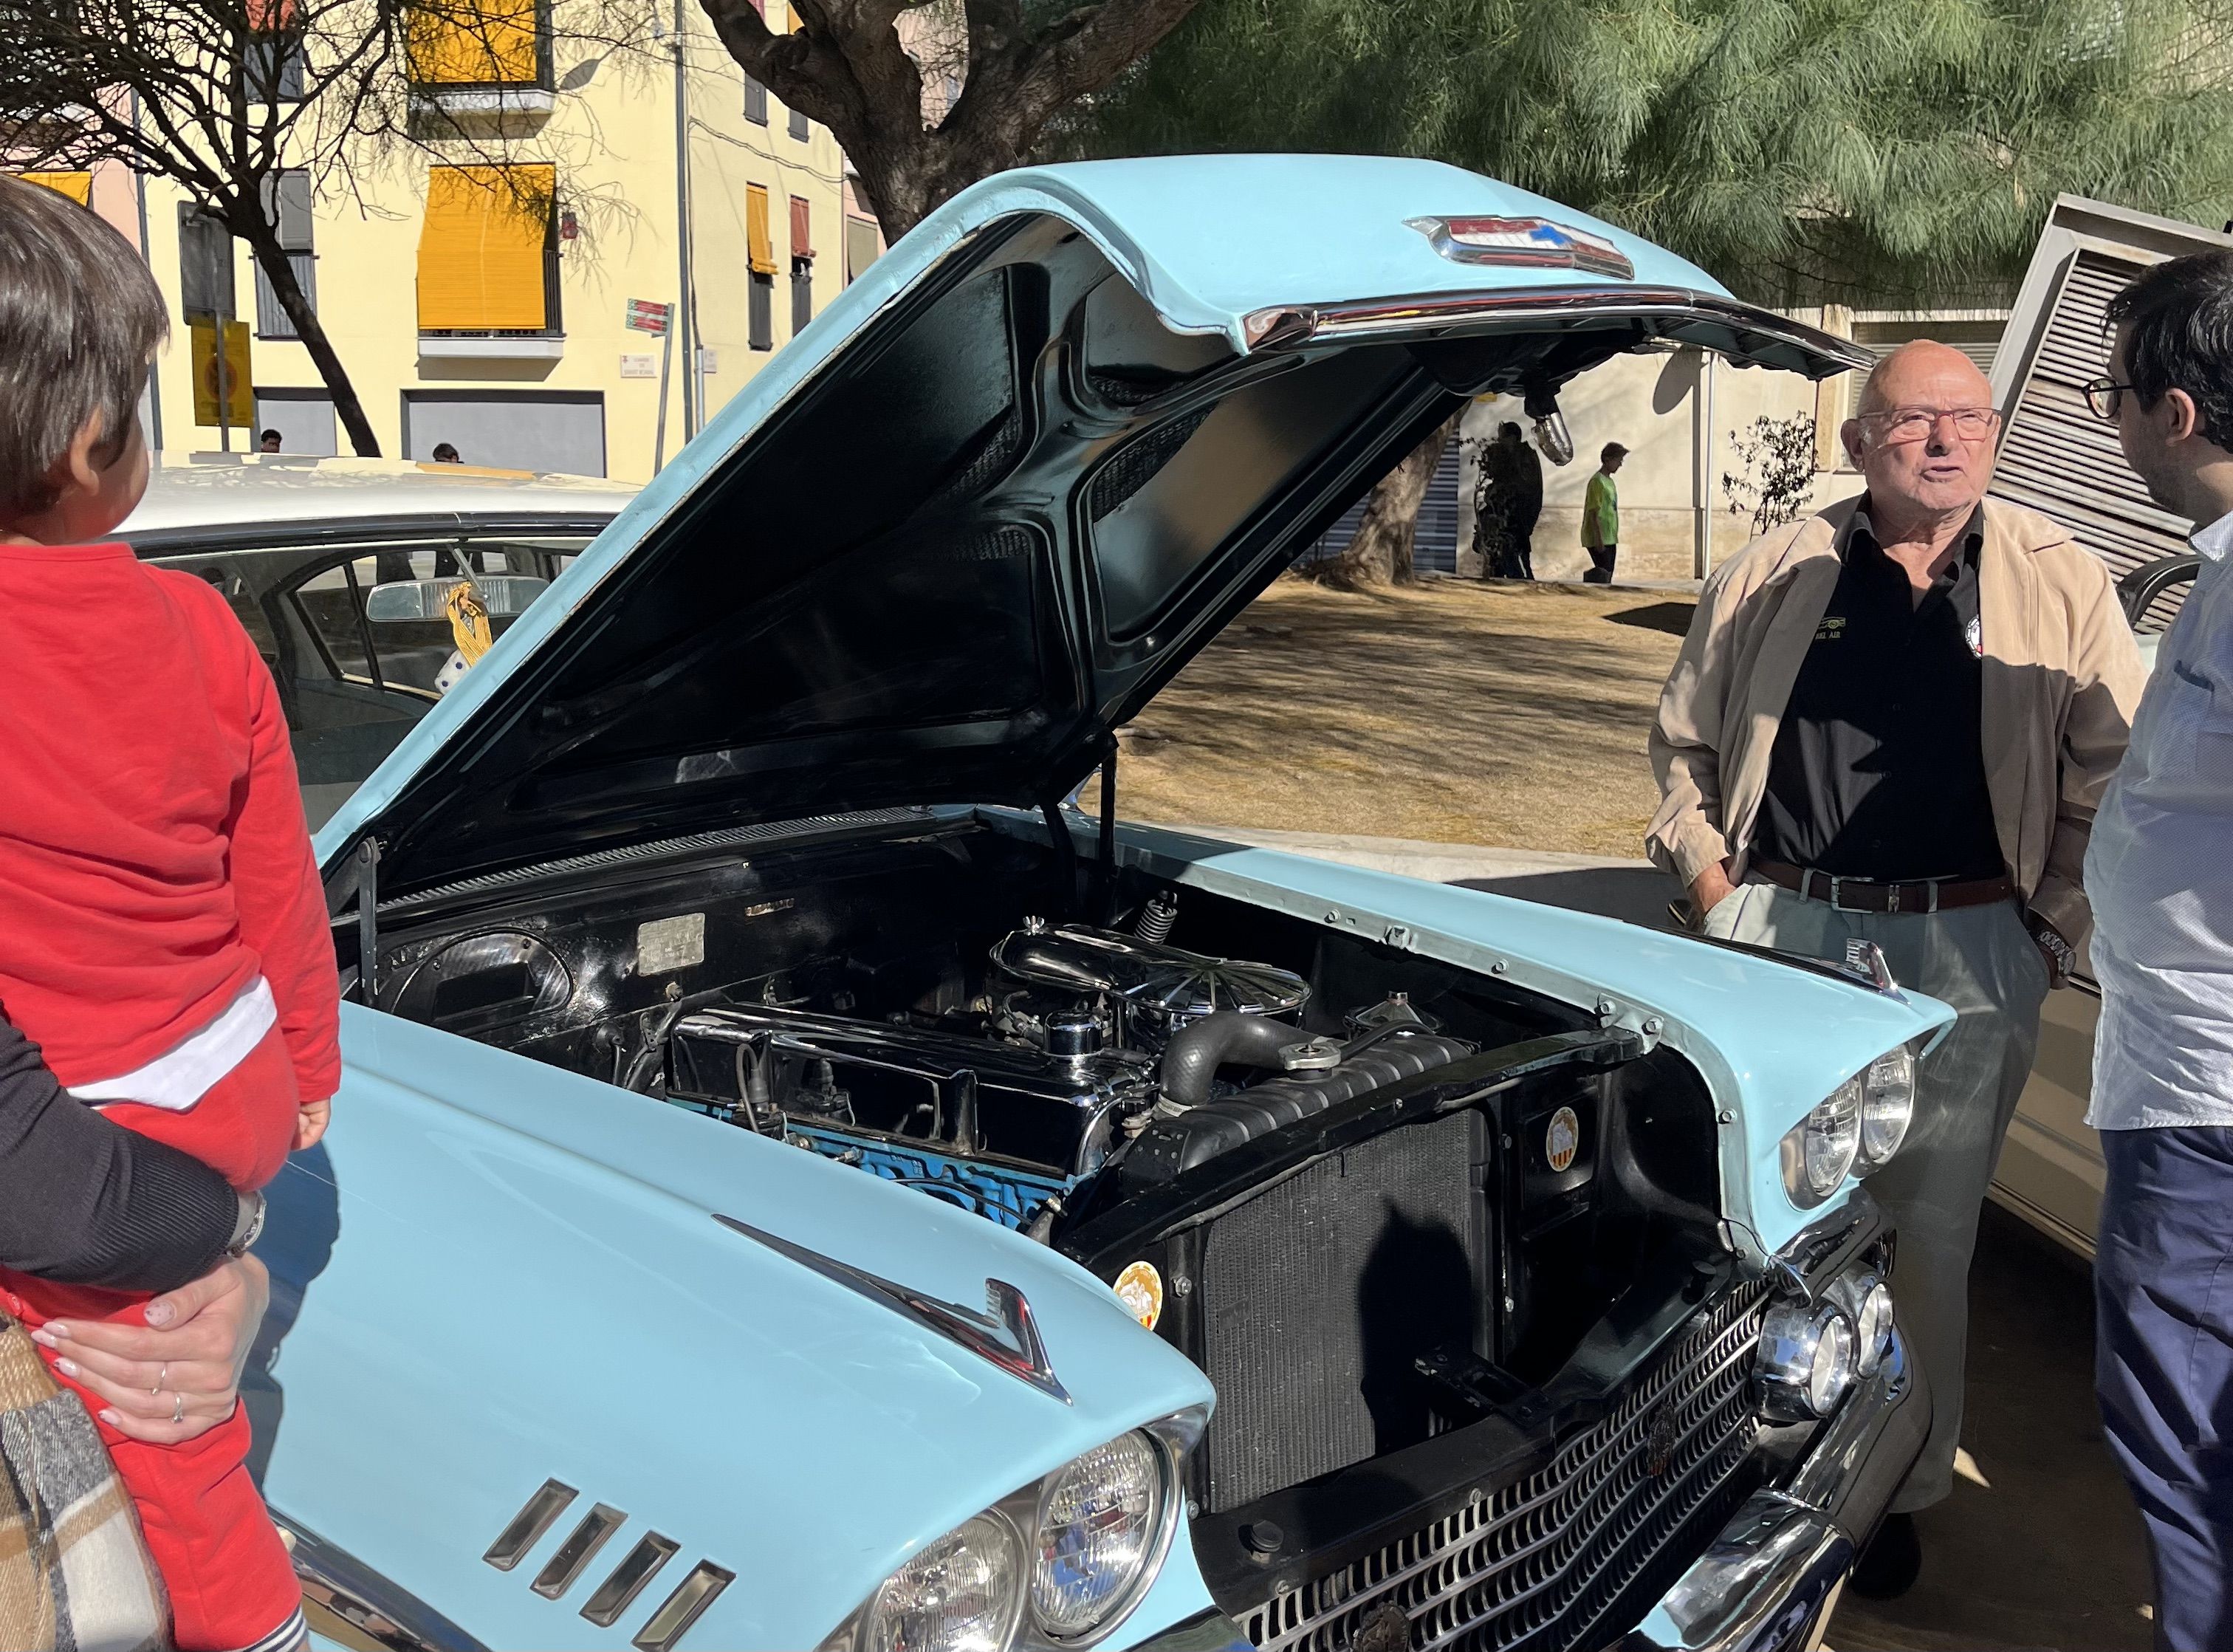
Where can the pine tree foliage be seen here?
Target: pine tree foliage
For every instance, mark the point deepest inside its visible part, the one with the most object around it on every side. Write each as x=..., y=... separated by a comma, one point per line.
x=1868, y=150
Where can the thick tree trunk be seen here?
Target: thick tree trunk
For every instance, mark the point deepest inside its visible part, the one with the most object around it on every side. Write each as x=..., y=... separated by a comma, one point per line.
x=1380, y=552
x=843, y=64
x=271, y=259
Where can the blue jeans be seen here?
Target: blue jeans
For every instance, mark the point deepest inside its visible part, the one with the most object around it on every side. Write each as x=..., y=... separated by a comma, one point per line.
x=2162, y=1287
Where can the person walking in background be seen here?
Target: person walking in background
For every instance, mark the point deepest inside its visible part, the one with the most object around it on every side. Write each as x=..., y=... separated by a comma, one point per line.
x=2162, y=887
x=1890, y=723
x=1601, y=515
x=1508, y=504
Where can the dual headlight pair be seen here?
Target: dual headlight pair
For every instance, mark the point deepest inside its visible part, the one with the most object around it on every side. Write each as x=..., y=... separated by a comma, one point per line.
x=1811, y=1353
x=1057, y=1563
x=1855, y=1131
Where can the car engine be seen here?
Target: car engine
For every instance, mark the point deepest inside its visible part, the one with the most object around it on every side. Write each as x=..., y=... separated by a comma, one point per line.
x=1092, y=1052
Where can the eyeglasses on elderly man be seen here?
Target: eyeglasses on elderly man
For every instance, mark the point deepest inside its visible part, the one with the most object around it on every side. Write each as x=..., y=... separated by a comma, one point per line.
x=1896, y=426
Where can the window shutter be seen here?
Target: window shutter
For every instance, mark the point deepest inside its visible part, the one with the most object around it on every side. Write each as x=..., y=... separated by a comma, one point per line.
x=760, y=238
x=481, y=249
x=476, y=42
x=77, y=185
x=802, y=228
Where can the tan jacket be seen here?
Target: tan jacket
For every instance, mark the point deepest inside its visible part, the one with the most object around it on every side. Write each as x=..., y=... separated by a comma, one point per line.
x=2061, y=680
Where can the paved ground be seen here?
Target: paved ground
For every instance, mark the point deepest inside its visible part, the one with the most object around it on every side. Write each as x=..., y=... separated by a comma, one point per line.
x=2039, y=1545
x=1469, y=713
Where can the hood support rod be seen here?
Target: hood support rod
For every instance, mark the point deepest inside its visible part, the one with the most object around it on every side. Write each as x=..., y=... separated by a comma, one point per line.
x=1106, y=849
x=367, y=920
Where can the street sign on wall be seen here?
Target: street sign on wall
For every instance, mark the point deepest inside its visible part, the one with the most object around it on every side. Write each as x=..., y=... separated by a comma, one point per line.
x=644, y=316
x=205, y=266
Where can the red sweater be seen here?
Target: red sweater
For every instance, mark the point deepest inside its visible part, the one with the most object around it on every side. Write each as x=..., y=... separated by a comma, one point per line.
x=153, y=859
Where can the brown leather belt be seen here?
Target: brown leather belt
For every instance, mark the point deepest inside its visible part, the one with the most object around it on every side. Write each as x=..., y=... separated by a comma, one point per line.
x=1859, y=894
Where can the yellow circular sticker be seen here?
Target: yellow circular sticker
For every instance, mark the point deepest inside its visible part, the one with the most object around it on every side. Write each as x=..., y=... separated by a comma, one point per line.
x=1563, y=1140
x=1140, y=1288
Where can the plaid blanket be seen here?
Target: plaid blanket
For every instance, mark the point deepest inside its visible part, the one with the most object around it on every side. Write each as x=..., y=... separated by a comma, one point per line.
x=75, y=1575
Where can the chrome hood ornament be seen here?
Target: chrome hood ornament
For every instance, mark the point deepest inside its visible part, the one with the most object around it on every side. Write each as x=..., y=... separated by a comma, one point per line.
x=1006, y=1335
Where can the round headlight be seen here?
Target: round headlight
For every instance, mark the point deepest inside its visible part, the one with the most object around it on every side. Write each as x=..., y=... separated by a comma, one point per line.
x=1872, y=1328
x=1100, y=1524
x=1887, y=1105
x=1832, y=1371
x=1805, y=1361
x=1819, y=1151
x=963, y=1593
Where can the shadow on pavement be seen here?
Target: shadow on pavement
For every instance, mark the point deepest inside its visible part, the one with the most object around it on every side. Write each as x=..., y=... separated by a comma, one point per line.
x=2051, y=1553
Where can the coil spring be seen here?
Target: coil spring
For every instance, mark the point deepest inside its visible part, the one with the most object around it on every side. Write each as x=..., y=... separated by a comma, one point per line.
x=1156, y=918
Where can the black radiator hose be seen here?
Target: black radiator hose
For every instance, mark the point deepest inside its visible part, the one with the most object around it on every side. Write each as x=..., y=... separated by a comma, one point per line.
x=1197, y=1051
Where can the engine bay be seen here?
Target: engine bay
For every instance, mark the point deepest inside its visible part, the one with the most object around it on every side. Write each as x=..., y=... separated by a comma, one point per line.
x=1444, y=1180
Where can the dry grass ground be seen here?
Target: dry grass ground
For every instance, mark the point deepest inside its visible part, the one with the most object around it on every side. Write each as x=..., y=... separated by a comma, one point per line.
x=1506, y=715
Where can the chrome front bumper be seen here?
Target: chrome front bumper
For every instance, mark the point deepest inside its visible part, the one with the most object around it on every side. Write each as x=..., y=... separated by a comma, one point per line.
x=1770, y=1579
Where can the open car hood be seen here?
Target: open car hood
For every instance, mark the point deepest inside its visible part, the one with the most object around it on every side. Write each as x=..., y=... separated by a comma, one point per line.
x=973, y=518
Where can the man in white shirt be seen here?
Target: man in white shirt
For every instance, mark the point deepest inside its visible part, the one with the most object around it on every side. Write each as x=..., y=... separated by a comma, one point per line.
x=2160, y=873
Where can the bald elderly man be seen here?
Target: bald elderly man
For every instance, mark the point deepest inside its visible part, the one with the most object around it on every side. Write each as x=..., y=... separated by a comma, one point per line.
x=1892, y=722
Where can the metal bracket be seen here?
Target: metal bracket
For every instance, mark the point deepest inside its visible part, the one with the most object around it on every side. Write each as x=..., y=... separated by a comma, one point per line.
x=368, y=919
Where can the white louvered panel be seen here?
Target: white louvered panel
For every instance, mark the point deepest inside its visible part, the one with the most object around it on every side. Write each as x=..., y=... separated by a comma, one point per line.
x=2057, y=457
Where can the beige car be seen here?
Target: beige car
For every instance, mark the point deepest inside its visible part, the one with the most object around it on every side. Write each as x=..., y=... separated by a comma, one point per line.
x=2057, y=457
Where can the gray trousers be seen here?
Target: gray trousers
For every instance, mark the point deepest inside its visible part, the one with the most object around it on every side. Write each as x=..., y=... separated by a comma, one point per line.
x=1982, y=964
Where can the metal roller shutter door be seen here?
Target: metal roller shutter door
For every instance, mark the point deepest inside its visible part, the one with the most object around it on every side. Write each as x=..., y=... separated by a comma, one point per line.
x=2057, y=457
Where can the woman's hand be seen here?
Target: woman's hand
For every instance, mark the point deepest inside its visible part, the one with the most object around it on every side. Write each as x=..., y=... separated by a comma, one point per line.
x=180, y=1375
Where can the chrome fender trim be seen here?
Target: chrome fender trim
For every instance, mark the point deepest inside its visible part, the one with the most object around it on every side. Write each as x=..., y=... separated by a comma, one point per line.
x=346, y=1600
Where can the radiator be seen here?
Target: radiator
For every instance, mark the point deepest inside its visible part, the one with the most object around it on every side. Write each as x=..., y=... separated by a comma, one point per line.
x=1318, y=1295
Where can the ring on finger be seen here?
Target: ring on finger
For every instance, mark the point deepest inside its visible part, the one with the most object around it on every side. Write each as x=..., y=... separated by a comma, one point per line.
x=162, y=1379
x=178, y=1407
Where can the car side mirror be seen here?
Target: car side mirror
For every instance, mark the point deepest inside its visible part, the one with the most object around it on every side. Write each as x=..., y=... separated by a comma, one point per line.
x=506, y=596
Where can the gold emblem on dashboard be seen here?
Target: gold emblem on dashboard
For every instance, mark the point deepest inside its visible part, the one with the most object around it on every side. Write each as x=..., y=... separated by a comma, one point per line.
x=1140, y=1288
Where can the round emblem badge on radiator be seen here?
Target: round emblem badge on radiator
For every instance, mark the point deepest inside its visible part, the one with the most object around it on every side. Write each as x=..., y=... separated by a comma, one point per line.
x=1563, y=1140
x=1140, y=1288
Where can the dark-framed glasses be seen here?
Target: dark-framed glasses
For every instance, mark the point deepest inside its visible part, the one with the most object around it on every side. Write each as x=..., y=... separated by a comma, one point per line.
x=2103, y=396
x=1901, y=424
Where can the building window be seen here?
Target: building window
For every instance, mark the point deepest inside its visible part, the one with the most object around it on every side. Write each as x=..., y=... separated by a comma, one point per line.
x=759, y=254
x=863, y=246
x=799, y=128
x=287, y=204
x=755, y=101
x=802, y=265
x=480, y=43
x=275, y=67
x=488, y=252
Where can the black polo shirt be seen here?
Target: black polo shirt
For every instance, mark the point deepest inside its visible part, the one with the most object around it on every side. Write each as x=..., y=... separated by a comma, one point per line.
x=1878, y=768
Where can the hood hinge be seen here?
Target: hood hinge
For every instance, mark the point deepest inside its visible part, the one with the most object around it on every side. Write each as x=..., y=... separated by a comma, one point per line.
x=368, y=919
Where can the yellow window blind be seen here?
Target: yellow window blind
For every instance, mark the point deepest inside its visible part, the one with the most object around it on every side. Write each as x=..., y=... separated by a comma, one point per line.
x=77, y=185
x=474, y=43
x=480, y=250
x=759, y=239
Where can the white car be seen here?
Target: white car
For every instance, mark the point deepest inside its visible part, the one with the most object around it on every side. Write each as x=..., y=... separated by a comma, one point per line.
x=334, y=564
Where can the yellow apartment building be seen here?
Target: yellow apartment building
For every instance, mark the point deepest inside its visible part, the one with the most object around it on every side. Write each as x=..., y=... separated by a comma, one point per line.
x=478, y=284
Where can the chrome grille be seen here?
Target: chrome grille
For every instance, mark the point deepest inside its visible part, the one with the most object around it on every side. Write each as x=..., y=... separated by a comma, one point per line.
x=1537, y=1564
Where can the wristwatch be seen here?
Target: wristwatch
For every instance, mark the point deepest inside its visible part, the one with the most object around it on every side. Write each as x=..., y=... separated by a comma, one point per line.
x=247, y=1228
x=2066, y=958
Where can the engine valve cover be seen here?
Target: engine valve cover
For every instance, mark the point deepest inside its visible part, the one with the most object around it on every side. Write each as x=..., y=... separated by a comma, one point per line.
x=1160, y=988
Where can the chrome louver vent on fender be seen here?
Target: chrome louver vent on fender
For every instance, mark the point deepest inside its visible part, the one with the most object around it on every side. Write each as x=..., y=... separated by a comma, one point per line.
x=669, y=1621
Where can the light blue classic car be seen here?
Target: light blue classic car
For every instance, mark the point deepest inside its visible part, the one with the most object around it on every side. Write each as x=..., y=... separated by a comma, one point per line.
x=801, y=1182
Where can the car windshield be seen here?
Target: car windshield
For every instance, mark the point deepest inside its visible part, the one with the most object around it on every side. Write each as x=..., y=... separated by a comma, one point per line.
x=364, y=638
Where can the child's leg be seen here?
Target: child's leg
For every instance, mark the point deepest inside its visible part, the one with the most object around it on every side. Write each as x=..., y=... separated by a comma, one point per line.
x=231, y=1583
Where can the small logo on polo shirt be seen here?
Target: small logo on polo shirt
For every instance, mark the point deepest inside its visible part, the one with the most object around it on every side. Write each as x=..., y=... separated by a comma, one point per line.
x=1832, y=627
x=1976, y=635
